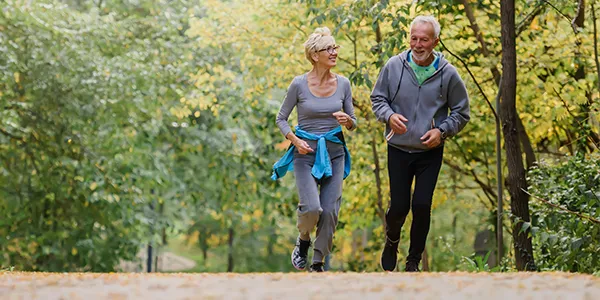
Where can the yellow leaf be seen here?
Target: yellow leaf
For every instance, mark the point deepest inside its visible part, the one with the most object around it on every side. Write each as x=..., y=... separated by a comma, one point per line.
x=74, y=251
x=283, y=145
x=32, y=246
x=93, y=186
x=246, y=218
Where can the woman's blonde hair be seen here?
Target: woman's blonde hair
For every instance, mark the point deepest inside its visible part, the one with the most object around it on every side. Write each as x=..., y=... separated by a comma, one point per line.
x=318, y=40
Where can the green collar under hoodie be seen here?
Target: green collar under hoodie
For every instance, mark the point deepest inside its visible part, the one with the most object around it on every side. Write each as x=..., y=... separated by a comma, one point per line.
x=440, y=101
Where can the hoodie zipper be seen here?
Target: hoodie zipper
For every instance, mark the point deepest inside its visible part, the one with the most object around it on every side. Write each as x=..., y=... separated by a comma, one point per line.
x=420, y=85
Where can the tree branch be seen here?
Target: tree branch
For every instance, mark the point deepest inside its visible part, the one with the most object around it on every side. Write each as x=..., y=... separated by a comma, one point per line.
x=297, y=27
x=479, y=37
x=529, y=18
x=591, y=137
x=472, y=77
x=596, y=45
x=487, y=190
x=348, y=62
x=553, y=153
x=562, y=208
x=356, y=104
x=558, y=10
x=566, y=106
x=11, y=135
x=580, y=17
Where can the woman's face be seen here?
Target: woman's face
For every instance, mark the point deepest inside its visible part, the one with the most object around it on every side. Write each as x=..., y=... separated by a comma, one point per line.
x=327, y=56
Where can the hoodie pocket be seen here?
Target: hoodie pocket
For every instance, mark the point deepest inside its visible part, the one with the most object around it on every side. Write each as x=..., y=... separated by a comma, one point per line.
x=422, y=126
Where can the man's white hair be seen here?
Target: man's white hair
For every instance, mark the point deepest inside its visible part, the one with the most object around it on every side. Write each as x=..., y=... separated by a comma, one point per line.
x=428, y=20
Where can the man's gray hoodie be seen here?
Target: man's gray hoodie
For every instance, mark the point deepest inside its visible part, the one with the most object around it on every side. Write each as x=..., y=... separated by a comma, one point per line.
x=425, y=106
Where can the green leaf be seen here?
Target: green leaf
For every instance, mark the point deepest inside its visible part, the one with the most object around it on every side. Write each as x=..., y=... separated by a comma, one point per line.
x=576, y=244
x=524, y=227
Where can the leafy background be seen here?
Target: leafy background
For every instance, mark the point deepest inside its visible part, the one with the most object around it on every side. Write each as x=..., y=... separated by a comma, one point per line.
x=135, y=122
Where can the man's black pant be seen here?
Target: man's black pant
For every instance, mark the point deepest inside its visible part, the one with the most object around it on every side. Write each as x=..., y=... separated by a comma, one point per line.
x=403, y=167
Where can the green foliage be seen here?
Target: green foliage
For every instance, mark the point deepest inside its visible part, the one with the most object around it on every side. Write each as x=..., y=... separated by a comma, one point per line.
x=7, y=269
x=82, y=133
x=126, y=122
x=479, y=264
x=563, y=240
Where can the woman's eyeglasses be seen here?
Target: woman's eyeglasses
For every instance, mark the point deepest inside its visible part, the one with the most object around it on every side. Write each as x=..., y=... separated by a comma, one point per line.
x=331, y=49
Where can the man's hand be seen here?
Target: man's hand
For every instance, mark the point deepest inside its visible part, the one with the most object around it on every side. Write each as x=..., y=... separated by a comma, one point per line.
x=432, y=138
x=396, y=122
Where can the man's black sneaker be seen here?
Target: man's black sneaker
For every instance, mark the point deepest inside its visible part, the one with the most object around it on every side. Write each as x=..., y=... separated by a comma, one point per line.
x=389, y=256
x=300, y=254
x=412, y=266
x=317, y=267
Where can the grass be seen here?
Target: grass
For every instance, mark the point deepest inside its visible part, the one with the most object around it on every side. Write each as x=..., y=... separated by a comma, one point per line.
x=7, y=269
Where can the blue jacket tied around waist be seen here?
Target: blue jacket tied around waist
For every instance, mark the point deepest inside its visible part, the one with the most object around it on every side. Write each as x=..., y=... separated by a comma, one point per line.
x=322, y=166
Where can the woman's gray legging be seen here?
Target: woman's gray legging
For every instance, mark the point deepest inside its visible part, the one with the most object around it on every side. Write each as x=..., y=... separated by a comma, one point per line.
x=319, y=207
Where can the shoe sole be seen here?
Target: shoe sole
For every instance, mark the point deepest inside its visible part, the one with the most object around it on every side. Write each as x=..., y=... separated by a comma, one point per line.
x=295, y=267
x=381, y=265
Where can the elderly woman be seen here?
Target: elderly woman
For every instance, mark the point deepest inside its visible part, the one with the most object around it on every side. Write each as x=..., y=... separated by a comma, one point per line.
x=318, y=154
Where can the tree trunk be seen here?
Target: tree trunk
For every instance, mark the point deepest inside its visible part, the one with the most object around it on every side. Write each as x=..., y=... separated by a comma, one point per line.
x=230, y=252
x=581, y=120
x=272, y=239
x=529, y=154
x=596, y=44
x=203, y=243
x=516, y=171
x=377, y=171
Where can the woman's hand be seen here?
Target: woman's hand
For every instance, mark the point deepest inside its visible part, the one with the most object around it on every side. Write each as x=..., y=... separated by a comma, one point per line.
x=301, y=145
x=344, y=119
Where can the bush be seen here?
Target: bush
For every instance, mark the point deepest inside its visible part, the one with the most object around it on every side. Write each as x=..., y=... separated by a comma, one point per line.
x=566, y=229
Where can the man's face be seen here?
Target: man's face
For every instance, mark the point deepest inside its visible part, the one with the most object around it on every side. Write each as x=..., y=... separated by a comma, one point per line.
x=422, y=41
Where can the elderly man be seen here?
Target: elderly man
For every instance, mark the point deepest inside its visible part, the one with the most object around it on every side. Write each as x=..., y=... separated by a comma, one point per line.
x=423, y=101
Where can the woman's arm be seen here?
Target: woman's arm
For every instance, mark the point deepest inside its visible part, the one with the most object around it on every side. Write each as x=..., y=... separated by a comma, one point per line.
x=348, y=107
x=290, y=101
x=288, y=104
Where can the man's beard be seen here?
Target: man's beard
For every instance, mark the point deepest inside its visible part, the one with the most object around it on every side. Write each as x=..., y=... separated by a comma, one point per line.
x=421, y=58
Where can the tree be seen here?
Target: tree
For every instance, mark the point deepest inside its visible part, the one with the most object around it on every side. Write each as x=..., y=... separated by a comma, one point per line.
x=517, y=183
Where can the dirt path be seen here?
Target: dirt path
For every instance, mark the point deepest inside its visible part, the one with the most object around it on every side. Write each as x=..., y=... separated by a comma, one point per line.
x=546, y=286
